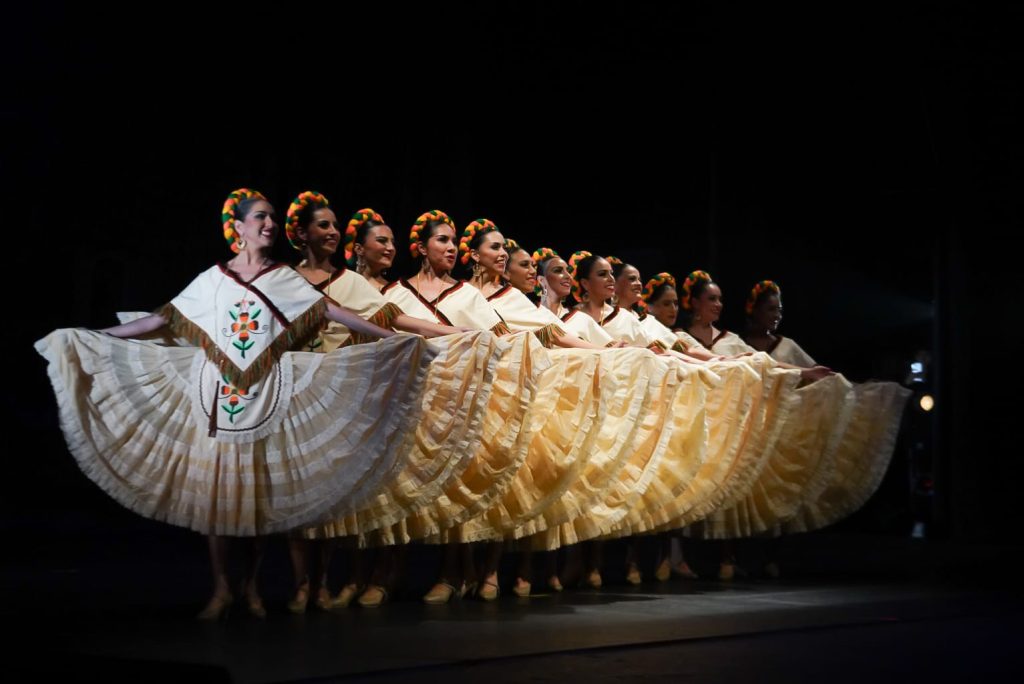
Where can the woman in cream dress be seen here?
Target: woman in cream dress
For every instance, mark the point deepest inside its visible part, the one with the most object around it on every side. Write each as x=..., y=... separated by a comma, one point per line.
x=312, y=228
x=482, y=248
x=868, y=441
x=232, y=436
x=809, y=447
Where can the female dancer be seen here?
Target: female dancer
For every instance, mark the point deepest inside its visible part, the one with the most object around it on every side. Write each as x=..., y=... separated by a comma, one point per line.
x=555, y=284
x=312, y=228
x=661, y=299
x=867, y=443
x=370, y=247
x=520, y=271
x=482, y=247
x=433, y=292
x=195, y=452
x=661, y=302
x=805, y=449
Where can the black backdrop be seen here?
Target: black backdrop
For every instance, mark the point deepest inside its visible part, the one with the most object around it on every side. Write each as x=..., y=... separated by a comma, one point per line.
x=868, y=159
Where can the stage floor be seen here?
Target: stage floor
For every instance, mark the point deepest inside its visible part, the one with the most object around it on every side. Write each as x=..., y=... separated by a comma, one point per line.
x=119, y=606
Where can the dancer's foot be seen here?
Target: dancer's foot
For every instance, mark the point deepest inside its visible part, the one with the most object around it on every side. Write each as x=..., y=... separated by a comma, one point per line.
x=298, y=603
x=664, y=570
x=218, y=607
x=345, y=596
x=684, y=570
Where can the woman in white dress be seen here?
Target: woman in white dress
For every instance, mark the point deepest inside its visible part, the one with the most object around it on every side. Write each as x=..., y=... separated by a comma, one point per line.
x=220, y=437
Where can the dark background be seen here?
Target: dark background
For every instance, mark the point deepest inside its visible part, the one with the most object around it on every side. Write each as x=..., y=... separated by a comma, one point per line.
x=866, y=158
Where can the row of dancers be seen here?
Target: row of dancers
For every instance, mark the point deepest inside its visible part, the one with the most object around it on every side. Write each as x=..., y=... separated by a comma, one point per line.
x=542, y=401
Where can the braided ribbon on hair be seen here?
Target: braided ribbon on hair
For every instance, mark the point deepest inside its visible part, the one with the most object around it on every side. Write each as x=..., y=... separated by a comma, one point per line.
x=691, y=280
x=656, y=282
x=539, y=257
x=227, y=214
x=481, y=226
x=653, y=284
x=513, y=246
x=358, y=219
x=758, y=290
x=291, y=221
x=576, y=258
x=614, y=260
x=414, y=232
x=543, y=254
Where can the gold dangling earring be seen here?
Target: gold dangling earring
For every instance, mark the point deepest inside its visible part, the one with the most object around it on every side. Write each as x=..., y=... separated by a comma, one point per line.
x=476, y=269
x=241, y=242
x=360, y=264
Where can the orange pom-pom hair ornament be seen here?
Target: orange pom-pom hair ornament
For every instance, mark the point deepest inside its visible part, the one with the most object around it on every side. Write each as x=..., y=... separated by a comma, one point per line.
x=305, y=200
x=480, y=227
x=575, y=262
x=655, y=283
x=229, y=214
x=541, y=257
x=427, y=220
x=699, y=279
x=655, y=286
x=361, y=218
x=763, y=288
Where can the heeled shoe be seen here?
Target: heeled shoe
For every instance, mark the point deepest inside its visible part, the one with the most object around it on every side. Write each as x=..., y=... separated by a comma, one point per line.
x=488, y=591
x=218, y=608
x=684, y=570
x=593, y=580
x=521, y=588
x=442, y=592
x=255, y=606
x=663, y=571
x=555, y=584
x=345, y=596
x=726, y=571
x=374, y=596
x=323, y=599
x=634, y=577
x=298, y=603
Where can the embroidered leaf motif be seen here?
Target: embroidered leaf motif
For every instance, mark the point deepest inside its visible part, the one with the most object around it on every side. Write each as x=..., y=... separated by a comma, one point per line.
x=233, y=411
x=243, y=346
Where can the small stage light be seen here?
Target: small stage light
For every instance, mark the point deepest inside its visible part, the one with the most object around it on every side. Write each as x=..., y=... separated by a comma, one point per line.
x=927, y=402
